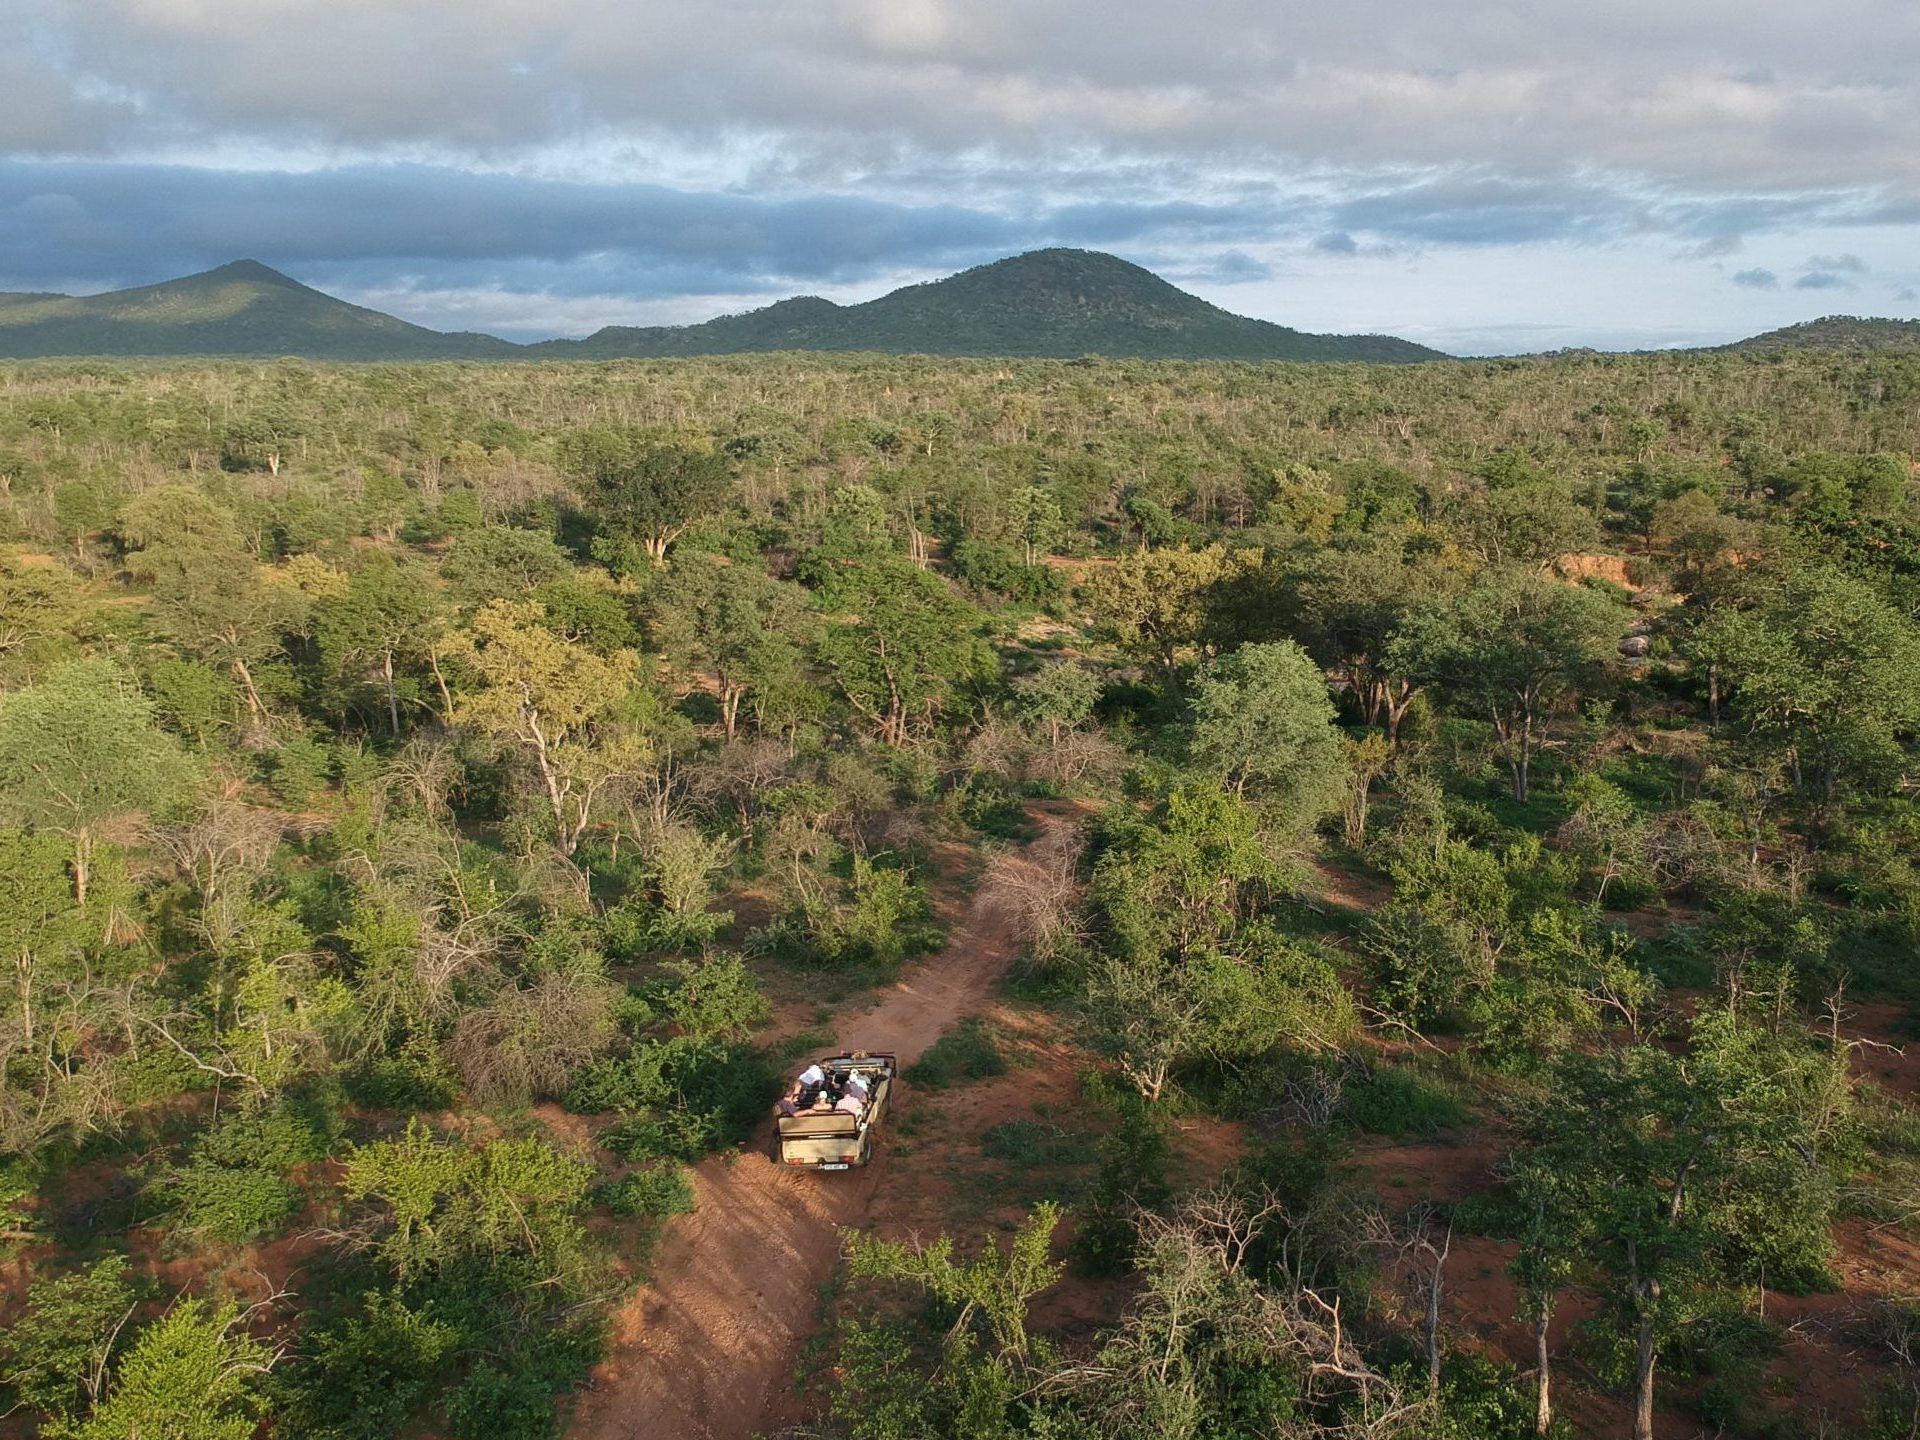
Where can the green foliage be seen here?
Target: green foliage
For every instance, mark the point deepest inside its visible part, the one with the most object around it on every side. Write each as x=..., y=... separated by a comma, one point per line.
x=193, y=1374
x=716, y=998
x=79, y=748
x=995, y=570
x=368, y=1371
x=234, y=1184
x=965, y=1053
x=1033, y=1143
x=680, y=1098
x=1819, y=672
x=1391, y=1100
x=56, y=1353
x=1481, y=1399
x=301, y=770
x=643, y=488
x=432, y=1203
x=1132, y=1174
x=430, y=920
x=907, y=645
x=996, y=1286
x=658, y=1191
x=1262, y=722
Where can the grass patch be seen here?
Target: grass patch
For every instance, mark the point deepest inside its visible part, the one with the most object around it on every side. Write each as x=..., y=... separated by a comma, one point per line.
x=1400, y=1104
x=1033, y=1142
x=966, y=1052
x=659, y=1191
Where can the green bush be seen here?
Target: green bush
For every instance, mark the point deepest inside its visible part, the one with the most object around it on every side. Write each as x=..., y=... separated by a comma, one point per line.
x=887, y=919
x=1399, y=1103
x=367, y=1372
x=493, y=1404
x=639, y=926
x=408, y=1082
x=1027, y=1142
x=301, y=770
x=233, y=1186
x=71, y=1324
x=996, y=812
x=1133, y=1173
x=680, y=1098
x=1001, y=571
x=966, y=1052
x=1481, y=1399
x=658, y=1191
x=227, y=1205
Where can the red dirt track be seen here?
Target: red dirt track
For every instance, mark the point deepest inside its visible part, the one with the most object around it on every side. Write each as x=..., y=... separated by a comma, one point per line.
x=700, y=1350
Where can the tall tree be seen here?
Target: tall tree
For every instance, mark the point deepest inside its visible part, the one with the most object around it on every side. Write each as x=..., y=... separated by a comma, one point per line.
x=390, y=614
x=733, y=622
x=1674, y=1172
x=1821, y=675
x=1262, y=718
x=1355, y=599
x=644, y=489
x=1512, y=648
x=80, y=749
x=553, y=703
x=210, y=596
x=1036, y=520
x=903, y=644
x=1154, y=603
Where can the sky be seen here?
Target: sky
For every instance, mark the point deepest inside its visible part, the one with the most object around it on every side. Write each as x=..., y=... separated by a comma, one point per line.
x=1484, y=176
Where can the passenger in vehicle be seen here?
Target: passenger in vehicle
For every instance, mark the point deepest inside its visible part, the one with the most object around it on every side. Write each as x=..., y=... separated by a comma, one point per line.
x=853, y=1100
x=804, y=1091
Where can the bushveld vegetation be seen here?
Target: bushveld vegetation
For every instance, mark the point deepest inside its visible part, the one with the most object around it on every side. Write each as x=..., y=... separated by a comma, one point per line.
x=396, y=761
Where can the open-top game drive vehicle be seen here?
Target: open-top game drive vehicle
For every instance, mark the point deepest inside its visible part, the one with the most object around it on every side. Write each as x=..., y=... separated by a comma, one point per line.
x=829, y=1114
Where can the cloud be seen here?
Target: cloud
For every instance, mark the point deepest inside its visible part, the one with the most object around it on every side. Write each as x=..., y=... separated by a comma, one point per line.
x=127, y=223
x=1805, y=99
x=670, y=150
x=1757, y=279
x=1229, y=267
x=1822, y=280
x=1714, y=247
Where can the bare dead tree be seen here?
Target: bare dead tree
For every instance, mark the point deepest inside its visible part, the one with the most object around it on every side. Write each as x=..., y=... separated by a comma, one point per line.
x=424, y=777
x=1075, y=756
x=1198, y=1284
x=1312, y=1094
x=1038, y=890
x=222, y=851
x=529, y=1041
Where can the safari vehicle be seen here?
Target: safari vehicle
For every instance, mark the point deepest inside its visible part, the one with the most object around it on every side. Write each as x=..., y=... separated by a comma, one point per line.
x=830, y=1136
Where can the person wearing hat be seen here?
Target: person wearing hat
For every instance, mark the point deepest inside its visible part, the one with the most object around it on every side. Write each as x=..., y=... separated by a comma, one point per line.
x=804, y=1091
x=853, y=1100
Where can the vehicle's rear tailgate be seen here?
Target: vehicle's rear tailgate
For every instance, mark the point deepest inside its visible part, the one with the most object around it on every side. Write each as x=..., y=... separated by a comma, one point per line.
x=822, y=1149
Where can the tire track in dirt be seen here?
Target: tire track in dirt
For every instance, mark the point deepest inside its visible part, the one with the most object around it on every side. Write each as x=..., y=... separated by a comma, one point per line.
x=735, y=1286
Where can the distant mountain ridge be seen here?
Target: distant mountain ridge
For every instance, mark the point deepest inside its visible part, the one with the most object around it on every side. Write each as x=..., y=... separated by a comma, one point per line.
x=1044, y=304
x=1837, y=332
x=244, y=308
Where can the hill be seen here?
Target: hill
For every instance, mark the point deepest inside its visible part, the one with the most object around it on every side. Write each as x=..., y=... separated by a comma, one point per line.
x=1837, y=332
x=1049, y=303
x=1046, y=303
x=244, y=308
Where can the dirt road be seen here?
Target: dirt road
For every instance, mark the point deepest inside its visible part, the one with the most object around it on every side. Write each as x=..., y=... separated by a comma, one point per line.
x=697, y=1352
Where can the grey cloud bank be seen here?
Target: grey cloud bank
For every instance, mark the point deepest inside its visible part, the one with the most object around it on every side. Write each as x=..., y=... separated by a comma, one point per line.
x=481, y=155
